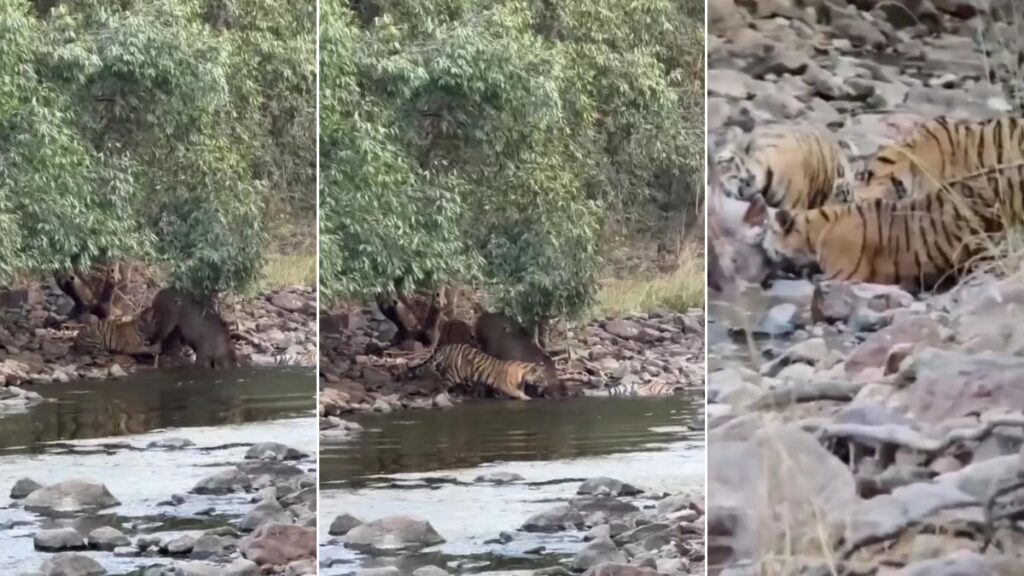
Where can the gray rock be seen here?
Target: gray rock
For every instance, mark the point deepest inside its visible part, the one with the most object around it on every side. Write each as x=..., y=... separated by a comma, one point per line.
x=604, y=486
x=58, y=539
x=108, y=538
x=225, y=482
x=499, y=478
x=613, y=569
x=556, y=519
x=273, y=451
x=268, y=510
x=383, y=571
x=180, y=546
x=243, y=567
x=171, y=444
x=23, y=487
x=625, y=329
x=300, y=568
x=210, y=546
x=70, y=497
x=70, y=564
x=598, y=551
x=779, y=321
x=279, y=544
x=393, y=533
x=430, y=571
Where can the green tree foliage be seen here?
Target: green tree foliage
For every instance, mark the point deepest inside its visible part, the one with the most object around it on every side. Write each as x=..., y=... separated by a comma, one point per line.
x=153, y=129
x=493, y=140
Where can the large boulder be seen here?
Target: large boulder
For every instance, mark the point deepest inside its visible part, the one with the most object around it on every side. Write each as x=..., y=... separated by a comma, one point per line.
x=758, y=466
x=279, y=544
x=58, y=539
x=556, y=519
x=393, y=533
x=70, y=564
x=70, y=497
x=225, y=482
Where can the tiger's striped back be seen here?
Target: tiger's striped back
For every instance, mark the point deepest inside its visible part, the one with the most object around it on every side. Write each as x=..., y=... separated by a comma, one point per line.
x=654, y=388
x=464, y=365
x=794, y=167
x=940, y=150
x=307, y=358
x=117, y=336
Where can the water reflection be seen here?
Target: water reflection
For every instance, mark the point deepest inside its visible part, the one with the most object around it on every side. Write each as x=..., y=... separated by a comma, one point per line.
x=150, y=400
x=472, y=434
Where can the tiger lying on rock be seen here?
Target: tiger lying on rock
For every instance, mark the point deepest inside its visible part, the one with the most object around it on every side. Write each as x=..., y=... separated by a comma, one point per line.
x=464, y=365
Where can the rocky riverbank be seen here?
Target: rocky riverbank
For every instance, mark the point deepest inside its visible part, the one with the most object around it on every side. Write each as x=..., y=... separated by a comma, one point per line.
x=271, y=491
x=657, y=347
x=621, y=532
x=858, y=429
x=277, y=327
x=873, y=433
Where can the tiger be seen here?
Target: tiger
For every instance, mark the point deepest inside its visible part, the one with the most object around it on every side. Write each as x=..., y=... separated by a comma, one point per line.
x=793, y=167
x=307, y=358
x=938, y=151
x=464, y=365
x=654, y=388
x=116, y=336
x=915, y=242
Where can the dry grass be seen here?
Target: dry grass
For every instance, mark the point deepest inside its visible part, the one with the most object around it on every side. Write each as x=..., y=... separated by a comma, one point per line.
x=679, y=290
x=282, y=270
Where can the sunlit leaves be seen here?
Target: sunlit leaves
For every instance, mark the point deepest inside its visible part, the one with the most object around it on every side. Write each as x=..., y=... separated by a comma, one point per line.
x=154, y=130
x=469, y=138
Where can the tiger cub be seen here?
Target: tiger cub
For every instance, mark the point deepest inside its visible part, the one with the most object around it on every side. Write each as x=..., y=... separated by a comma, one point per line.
x=115, y=336
x=795, y=167
x=464, y=365
x=937, y=152
x=916, y=243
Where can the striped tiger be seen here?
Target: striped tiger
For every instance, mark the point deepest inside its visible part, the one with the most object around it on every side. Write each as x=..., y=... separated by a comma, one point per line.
x=307, y=358
x=915, y=242
x=117, y=336
x=464, y=365
x=650, y=389
x=794, y=167
x=938, y=151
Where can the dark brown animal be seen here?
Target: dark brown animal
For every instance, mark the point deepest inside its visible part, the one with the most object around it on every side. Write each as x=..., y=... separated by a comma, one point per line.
x=503, y=338
x=178, y=319
x=396, y=311
x=455, y=332
x=429, y=334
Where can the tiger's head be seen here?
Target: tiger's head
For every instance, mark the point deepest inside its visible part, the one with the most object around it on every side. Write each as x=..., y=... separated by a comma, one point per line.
x=741, y=175
x=536, y=379
x=782, y=235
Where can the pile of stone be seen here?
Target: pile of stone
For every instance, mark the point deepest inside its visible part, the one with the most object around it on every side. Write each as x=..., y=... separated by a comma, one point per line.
x=660, y=346
x=619, y=538
x=876, y=431
x=35, y=349
x=277, y=536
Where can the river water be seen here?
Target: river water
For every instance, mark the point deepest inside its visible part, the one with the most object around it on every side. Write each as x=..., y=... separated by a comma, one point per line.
x=100, y=431
x=423, y=463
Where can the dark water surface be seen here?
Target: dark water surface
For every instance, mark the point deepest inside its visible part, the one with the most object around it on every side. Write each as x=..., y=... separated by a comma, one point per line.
x=151, y=399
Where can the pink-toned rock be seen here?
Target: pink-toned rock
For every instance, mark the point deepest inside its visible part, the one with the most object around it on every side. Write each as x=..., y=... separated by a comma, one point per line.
x=917, y=330
x=279, y=544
